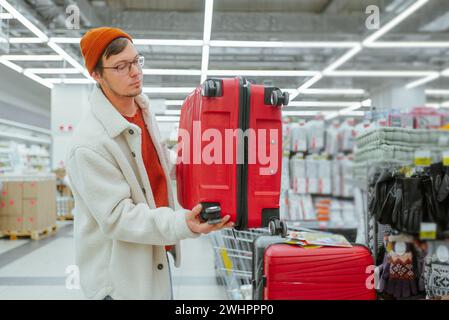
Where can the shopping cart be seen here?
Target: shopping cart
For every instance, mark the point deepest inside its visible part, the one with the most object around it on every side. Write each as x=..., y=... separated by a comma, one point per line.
x=233, y=260
x=234, y=257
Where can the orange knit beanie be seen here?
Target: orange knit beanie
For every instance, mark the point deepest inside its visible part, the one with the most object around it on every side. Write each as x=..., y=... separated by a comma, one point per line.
x=95, y=41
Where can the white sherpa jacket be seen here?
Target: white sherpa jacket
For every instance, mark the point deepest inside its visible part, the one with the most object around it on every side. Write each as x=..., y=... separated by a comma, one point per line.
x=119, y=233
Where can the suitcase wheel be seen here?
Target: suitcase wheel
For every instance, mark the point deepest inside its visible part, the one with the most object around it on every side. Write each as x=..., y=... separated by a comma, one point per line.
x=277, y=227
x=278, y=98
x=284, y=228
x=211, y=88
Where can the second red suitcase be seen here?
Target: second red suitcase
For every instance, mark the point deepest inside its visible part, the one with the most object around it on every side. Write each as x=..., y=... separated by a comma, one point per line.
x=290, y=272
x=228, y=175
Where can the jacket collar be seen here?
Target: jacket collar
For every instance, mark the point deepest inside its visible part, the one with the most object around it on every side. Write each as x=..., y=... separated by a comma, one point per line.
x=111, y=119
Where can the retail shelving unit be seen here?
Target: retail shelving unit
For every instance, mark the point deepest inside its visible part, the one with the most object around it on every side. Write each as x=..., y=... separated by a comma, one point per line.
x=23, y=148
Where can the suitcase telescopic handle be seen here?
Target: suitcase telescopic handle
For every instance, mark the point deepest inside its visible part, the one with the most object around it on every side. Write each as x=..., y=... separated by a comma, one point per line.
x=279, y=99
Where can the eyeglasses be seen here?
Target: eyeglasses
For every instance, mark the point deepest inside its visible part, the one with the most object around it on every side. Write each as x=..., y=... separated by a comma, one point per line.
x=125, y=67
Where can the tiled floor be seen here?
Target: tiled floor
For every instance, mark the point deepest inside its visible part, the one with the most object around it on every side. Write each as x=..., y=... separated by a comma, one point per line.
x=37, y=269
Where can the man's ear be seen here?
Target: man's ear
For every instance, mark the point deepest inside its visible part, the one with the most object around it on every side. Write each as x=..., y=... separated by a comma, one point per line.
x=97, y=77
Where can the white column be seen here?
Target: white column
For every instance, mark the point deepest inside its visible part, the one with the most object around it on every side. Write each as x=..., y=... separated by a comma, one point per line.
x=68, y=104
x=397, y=97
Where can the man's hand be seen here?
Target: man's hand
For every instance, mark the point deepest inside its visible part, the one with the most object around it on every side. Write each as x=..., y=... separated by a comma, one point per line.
x=196, y=225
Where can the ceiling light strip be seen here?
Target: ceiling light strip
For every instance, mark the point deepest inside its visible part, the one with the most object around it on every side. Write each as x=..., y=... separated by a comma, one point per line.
x=27, y=23
x=25, y=40
x=175, y=72
x=343, y=59
x=207, y=30
x=437, y=92
x=408, y=44
x=174, y=102
x=281, y=44
x=306, y=85
x=6, y=16
x=330, y=104
x=167, y=118
x=28, y=74
x=53, y=70
x=38, y=79
x=332, y=91
x=41, y=35
x=32, y=57
x=379, y=73
x=422, y=81
x=70, y=80
x=357, y=48
x=11, y=65
x=272, y=73
x=168, y=89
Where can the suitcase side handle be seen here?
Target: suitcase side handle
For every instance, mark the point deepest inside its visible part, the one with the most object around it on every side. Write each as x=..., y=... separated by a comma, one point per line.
x=211, y=213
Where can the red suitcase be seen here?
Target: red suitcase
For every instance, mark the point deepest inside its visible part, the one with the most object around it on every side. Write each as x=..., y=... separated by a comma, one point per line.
x=223, y=173
x=290, y=272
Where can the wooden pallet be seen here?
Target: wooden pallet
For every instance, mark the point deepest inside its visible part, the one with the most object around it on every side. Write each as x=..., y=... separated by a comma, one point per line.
x=34, y=235
x=65, y=217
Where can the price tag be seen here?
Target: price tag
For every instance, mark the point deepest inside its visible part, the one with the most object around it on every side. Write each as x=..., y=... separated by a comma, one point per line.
x=446, y=158
x=428, y=231
x=423, y=158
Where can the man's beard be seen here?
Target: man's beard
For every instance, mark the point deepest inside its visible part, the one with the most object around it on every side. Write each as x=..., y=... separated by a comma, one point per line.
x=133, y=95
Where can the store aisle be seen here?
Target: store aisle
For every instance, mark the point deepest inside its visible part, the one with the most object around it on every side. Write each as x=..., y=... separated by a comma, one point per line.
x=195, y=280
x=37, y=269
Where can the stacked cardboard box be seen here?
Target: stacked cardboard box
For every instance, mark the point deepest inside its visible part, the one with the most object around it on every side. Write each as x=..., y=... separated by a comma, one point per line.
x=61, y=185
x=60, y=173
x=28, y=205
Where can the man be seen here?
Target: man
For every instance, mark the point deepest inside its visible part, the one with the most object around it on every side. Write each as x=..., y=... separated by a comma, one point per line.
x=120, y=177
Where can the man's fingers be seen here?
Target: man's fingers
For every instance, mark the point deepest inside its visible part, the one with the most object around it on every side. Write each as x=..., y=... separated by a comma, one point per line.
x=224, y=221
x=196, y=210
x=204, y=227
x=229, y=225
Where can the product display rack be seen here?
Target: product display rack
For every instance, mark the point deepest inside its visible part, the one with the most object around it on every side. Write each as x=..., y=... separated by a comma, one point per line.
x=24, y=149
x=423, y=148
